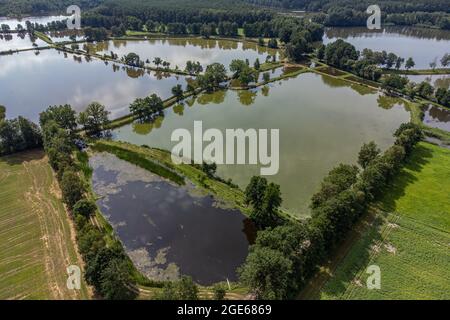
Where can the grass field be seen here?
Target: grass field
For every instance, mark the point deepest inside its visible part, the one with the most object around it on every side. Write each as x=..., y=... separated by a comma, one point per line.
x=36, y=238
x=408, y=237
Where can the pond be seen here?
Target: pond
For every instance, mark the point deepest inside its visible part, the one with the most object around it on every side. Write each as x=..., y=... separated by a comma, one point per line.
x=15, y=41
x=322, y=121
x=178, y=51
x=423, y=45
x=168, y=230
x=437, y=117
x=31, y=82
x=13, y=22
x=436, y=80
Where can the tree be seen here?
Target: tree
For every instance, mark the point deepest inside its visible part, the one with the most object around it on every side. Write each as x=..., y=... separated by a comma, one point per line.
x=94, y=119
x=2, y=113
x=254, y=192
x=116, y=281
x=297, y=48
x=183, y=289
x=257, y=64
x=338, y=179
x=265, y=199
x=187, y=289
x=30, y=133
x=340, y=54
x=321, y=52
x=215, y=74
x=424, y=89
x=193, y=67
x=145, y=109
x=272, y=200
x=10, y=137
x=132, y=59
x=433, y=64
x=399, y=62
x=445, y=60
x=394, y=81
x=266, y=76
x=391, y=60
x=219, y=291
x=209, y=169
x=72, y=188
x=273, y=43
x=369, y=152
x=84, y=207
x=247, y=75
x=63, y=115
x=157, y=61
x=267, y=273
x=177, y=91
x=237, y=66
x=409, y=63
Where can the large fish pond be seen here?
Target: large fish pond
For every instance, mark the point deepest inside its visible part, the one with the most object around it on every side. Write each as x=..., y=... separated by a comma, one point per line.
x=322, y=121
x=169, y=230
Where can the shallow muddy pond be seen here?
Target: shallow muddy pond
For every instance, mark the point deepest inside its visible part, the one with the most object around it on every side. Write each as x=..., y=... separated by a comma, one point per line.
x=31, y=82
x=437, y=117
x=178, y=51
x=322, y=121
x=168, y=230
x=423, y=45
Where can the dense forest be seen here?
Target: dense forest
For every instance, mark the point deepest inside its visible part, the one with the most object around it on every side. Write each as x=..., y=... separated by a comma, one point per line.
x=434, y=13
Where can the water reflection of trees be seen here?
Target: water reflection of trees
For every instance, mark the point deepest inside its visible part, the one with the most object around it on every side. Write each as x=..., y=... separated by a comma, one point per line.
x=388, y=102
x=440, y=114
x=420, y=33
x=247, y=97
x=145, y=128
x=215, y=97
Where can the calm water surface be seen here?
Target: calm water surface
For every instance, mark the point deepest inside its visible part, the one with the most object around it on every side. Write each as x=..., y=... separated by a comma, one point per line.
x=14, y=41
x=178, y=51
x=423, y=45
x=12, y=22
x=436, y=80
x=168, y=230
x=322, y=122
x=437, y=117
x=30, y=83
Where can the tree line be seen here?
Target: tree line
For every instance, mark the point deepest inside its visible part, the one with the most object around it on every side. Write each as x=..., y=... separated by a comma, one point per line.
x=107, y=267
x=287, y=255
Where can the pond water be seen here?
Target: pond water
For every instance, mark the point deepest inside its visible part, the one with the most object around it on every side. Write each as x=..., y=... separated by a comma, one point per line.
x=436, y=80
x=437, y=117
x=178, y=51
x=423, y=45
x=322, y=121
x=15, y=41
x=13, y=22
x=168, y=230
x=30, y=83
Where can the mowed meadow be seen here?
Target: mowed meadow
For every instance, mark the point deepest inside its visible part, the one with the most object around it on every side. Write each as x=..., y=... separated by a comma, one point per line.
x=409, y=238
x=37, y=243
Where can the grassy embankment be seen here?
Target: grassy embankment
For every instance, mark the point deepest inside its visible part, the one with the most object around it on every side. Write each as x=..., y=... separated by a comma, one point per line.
x=408, y=237
x=151, y=158
x=36, y=236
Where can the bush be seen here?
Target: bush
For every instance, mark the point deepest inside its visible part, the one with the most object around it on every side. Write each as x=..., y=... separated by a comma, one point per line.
x=84, y=207
x=72, y=188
